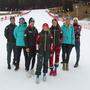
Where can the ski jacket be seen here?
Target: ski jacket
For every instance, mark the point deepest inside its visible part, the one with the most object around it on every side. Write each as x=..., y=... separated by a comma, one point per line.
x=68, y=34
x=44, y=41
x=19, y=34
x=57, y=35
x=8, y=33
x=30, y=37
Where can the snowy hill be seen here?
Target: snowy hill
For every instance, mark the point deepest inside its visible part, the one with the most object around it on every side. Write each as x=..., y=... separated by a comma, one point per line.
x=75, y=79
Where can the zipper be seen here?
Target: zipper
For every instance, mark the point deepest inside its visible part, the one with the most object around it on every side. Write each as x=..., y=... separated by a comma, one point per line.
x=45, y=42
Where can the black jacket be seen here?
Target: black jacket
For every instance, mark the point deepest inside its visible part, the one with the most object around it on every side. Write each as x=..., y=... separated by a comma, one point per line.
x=44, y=41
x=30, y=36
x=9, y=33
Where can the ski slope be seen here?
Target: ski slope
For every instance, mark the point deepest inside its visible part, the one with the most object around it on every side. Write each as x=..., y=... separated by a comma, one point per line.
x=74, y=79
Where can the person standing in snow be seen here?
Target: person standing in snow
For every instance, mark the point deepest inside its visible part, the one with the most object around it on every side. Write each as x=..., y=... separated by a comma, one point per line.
x=77, y=29
x=57, y=41
x=44, y=41
x=8, y=33
x=30, y=37
x=20, y=44
x=68, y=42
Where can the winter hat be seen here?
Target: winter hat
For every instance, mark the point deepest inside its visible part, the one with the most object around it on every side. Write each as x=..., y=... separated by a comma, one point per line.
x=31, y=20
x=12, y=17
x=45, y=25
x=23, y=20
x=75, y=18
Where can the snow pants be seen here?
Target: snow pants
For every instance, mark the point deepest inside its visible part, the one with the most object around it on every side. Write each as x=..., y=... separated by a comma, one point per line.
x=30, y=57
x=42, y=62
x=56, y=50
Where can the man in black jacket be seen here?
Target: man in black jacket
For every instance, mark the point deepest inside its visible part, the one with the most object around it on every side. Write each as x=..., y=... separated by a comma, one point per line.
x=30, y=36
x=9, y=30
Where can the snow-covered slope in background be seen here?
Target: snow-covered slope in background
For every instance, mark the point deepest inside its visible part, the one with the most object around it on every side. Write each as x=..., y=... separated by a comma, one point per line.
x=75, y=79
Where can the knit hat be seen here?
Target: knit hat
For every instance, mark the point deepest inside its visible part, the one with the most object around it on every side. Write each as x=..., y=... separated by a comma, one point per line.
x=31, y=20
x=21, y=18
x=45, y=25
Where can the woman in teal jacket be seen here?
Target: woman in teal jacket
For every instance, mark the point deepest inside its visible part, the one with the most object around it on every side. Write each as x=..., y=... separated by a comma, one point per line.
x=19, y=36
x=68, y=42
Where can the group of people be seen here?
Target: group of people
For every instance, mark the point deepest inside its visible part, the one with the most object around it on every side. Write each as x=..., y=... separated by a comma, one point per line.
x=45, y=45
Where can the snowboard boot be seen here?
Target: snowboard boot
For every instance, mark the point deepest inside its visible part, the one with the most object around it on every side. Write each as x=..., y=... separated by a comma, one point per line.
x=51, y=72
x=29, y=74
x=37, y=79
x=44, y=77
x=67, y=67
x=26, y=69
x=64, y=66
x=32, y=72
x=16, y=68
x=14, y=63
x=9, y=66
x=55, y=72
x=76, y=65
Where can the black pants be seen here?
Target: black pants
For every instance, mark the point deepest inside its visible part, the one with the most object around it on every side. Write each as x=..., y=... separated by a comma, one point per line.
x=42, y=62
x=10, y=48
x=66, y=50
x=18, y=54
x=30, y=57
x=77, y=48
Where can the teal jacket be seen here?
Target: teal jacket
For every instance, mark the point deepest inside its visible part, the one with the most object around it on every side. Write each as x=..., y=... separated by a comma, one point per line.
x=19, y=34
x=68, y=34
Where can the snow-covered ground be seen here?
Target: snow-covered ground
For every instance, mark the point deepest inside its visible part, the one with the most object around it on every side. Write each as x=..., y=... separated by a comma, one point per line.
x=74, y=79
